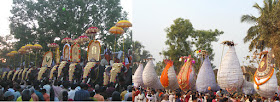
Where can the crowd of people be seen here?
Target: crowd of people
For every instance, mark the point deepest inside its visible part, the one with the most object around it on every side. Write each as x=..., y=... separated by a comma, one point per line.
x=61, y=91
x=151, y=95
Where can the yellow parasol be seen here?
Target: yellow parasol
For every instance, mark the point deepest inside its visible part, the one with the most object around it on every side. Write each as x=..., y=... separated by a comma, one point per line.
x=116, y=30
x=28, y=46
x=13, y=53
x=124, y=24
x=37, y=46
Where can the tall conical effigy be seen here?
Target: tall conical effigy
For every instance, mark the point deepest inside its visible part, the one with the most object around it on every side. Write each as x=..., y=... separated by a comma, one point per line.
x=150, y=77
x=230, y=75
x=168, y=77
x=206, y=77
x=265, y=81
x=186, y=77
x=137, y=78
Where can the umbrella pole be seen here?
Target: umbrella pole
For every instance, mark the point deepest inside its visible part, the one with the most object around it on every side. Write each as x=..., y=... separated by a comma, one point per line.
x=123, y=50
x=14, y=63
x=25, y=63
x=114, y=48
x=20, y=60
x=29, y=60
x=36, y=59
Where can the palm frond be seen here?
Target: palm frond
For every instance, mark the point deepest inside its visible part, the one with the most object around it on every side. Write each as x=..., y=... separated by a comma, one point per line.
x=249, y=18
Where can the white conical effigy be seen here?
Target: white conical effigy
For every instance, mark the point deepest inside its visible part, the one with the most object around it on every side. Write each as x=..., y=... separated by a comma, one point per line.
x=150, y=78
x=137, y=77
x=206, y=77
x=230, y=75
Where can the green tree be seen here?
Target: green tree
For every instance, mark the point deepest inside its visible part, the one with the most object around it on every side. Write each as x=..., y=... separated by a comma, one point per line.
x=202, y=41
x=265, y=31
x=178, y=45
x=139, y=54
x=184, y=40
x=260, y=31
x=41, y=21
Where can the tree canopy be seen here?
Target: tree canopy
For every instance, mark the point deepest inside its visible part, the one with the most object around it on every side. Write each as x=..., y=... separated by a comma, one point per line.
x=41, y=21
x=184, y=40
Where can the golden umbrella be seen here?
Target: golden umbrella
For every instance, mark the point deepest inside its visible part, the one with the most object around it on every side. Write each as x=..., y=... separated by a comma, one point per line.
x=29, y=48
x=124, y=24
x=13, y=53
x=22, y=51
x=37, y=47
x=116, y=30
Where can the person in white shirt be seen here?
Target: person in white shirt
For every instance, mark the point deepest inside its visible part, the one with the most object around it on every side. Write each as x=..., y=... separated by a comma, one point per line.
x=71, y=93
x=140, y=97
x=47, y=86
x=165, y=98
x=172, y=97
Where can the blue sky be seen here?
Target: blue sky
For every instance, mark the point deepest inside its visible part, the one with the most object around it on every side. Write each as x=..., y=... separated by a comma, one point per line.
x=151, y=17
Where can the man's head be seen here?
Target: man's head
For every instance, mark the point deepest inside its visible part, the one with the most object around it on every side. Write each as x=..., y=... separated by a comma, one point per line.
x=153, y=91
x=73, y=86
x=178, y=95
x=44, y=91
x=129, y=88
x=275, y=94
x=165, y=97
x=17, y=87
x=84, y=86
x=8, y=96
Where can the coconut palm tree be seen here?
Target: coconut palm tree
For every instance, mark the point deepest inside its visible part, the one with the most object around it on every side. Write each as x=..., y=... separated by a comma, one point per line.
x=259, y=31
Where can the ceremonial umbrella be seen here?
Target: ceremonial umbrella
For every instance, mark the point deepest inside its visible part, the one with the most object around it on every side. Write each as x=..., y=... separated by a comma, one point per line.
x=13, y=53
x=116, y=30
x=37, y=47
x=91, y=31
x=124, y=24
x=66, y=40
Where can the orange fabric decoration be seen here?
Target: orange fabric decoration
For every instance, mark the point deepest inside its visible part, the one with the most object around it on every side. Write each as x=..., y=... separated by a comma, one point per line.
x=258, y=84
x=164, y=75
x=184, y=76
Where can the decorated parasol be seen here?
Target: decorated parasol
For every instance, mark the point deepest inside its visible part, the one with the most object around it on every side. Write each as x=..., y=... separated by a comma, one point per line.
x=66, y=40
x=82, y=39
x=53, y=45
x=36, y=47
x=29, y=48
x=117, y=31
x=22, y=51
x=124, y=24
x=91, y=31
x=13, y=53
